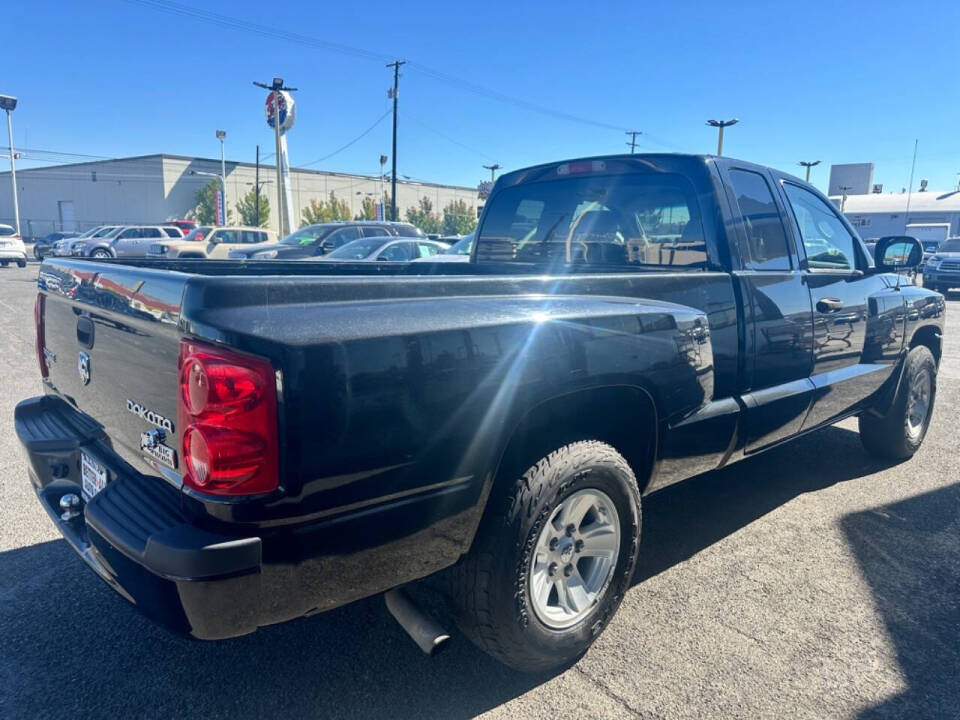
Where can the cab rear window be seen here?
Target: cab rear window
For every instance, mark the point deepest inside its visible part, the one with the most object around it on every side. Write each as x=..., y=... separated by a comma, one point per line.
x=619, y=220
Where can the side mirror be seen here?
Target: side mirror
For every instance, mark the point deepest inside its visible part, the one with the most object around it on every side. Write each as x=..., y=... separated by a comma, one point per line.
x=898, y=253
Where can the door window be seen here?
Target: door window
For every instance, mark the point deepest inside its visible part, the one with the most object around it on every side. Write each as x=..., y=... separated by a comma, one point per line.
x=342, y=237
x=228, y=236
x=151, y=233
x=766, y=241
x=826, y=240
x=129, y=233
x=377, y=231
x=427, y=250
x=398, y=252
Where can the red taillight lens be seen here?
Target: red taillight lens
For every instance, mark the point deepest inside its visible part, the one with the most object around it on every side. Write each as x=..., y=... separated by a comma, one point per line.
x=228, y=421
x=38, y=313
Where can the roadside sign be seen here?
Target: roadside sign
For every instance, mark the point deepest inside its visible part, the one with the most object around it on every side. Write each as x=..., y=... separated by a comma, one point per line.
x=379, y=211
x=484, y=188
x=221, y=210
x=288, y=110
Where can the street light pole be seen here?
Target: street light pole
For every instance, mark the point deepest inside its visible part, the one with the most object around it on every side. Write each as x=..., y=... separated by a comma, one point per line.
x=492, y=168
x=393, y=182
x=809, y=165
x=720, y=125
x=9, y=103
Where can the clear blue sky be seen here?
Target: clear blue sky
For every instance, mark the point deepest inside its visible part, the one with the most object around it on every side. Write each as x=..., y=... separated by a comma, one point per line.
x=840, y=82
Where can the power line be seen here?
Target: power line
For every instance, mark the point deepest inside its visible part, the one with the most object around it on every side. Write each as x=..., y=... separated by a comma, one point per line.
x=267, y=31
x=344, y=147
x=446, y=137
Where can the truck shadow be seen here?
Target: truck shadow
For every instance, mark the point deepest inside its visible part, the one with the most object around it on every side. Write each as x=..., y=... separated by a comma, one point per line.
x=908, y=553
x=73, y=648
x=683, y=519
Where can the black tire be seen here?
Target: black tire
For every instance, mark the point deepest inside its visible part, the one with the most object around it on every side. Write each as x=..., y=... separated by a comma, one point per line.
x=897, y=435
x=491, y=585
x=21, y=263
x=4, y=263
x=37, y=254
x=101, y=254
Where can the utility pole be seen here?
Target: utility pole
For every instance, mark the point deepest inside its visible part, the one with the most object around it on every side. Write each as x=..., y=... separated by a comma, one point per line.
x=256, y=185
x=844, y=189
x=913, y=166
x=9, y=104
x=809, y=165
x=721, y=124
x=492, y=168
x=393, y=182
x=633, y=139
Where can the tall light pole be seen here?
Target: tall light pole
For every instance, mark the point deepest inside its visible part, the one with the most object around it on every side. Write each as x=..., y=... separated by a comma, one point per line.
x=809, y=165
x=221, y=136
x=720, y=125
x=844, y=189
x=493, y=169
x=393, y=94
x=9, y=104
x=383, y=209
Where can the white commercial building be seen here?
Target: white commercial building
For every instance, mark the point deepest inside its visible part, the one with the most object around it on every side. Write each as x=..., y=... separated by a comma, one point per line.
x=878, y=214
x=154, y=188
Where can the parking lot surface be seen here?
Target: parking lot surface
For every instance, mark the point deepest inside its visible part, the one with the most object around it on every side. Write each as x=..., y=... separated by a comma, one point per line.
x=812, y=581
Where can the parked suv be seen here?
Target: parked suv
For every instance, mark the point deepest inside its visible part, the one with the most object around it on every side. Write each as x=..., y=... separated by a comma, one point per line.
x=212, y=242
x=125, y=241
x=11, y=247
x=322, y=238
x=74, y=246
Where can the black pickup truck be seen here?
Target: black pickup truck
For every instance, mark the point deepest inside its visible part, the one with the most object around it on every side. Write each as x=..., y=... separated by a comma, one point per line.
x=230, y=444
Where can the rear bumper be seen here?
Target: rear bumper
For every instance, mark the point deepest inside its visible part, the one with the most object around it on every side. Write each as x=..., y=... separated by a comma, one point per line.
x=135, y=535
x=12, y=254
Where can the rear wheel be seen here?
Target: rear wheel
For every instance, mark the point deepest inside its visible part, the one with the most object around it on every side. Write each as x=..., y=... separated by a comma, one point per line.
x=898, y=433
x=4, y=263
x=101, y=254
x=21, y=263
x=552, y=562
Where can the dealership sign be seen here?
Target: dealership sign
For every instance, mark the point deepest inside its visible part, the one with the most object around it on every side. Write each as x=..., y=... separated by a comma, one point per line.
x=484, y=188
x=221, y=210
x=287, y=109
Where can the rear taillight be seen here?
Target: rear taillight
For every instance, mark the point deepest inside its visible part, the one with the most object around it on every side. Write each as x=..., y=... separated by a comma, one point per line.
x=38, y=313
x=227, y=413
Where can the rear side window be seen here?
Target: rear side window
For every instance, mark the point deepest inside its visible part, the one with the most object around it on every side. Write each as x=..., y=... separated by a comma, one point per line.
x=766, y=241
x=376, y=231
x=172, y=232
x=151, y=233
x=827, y=242
x=407, y=231
x=621, y=220
x=427, y=250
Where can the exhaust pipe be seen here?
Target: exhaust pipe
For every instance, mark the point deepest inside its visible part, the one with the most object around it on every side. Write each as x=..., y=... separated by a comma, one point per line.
x=425, y=632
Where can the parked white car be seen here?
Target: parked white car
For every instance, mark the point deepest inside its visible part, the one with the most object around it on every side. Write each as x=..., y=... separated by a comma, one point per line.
x=12, y=248
x=459, y=252
x=384, y=249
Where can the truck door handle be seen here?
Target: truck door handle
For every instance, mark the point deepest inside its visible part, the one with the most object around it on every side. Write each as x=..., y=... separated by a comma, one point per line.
x=829, y=305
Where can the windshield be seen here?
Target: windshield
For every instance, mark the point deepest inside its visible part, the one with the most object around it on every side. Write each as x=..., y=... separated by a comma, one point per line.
x=463, y=246
x=358, y=249
x=308, y=235
x=89, y=233
x=198, y=233
x=631, y=219
x=950, y=246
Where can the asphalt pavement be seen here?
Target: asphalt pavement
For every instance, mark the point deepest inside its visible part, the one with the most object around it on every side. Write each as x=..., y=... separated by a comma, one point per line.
x=810, y=582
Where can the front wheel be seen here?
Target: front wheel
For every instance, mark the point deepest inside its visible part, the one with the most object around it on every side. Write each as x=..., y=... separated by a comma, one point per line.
x=898, y=434
x=101, y=254
x=554, y=559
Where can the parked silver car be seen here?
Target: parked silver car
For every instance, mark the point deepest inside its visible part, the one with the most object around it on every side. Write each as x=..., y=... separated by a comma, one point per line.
x=384, y=249
x=126, y=241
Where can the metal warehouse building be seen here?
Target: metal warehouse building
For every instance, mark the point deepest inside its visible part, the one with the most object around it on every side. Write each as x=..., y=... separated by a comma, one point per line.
x=154, y=188
x=876, y=215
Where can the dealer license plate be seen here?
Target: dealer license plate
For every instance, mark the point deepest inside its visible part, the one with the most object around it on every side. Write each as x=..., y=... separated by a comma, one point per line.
x=93, y=476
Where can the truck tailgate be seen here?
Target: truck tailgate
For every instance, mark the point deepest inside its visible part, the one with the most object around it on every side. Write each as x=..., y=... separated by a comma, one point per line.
x=111, y=344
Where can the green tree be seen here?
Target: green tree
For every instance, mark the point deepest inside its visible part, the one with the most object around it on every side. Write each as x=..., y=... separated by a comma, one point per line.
x=325, y=210
x=458, y=218
x=424, y=217
x=205, y=211
x=247, y=207
x=368, y=209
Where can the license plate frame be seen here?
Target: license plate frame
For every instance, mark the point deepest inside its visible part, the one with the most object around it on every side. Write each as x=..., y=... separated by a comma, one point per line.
x=93, y=476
